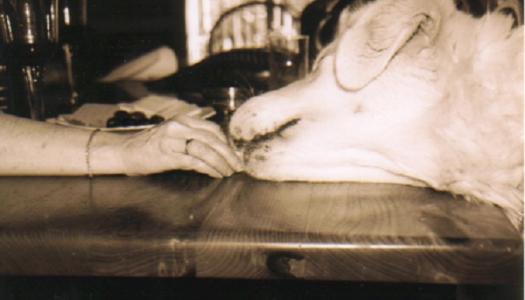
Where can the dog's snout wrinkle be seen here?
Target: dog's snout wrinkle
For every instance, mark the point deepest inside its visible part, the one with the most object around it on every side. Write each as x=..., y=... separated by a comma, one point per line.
x=266, y=113
x=259, y=141
x=262, y=137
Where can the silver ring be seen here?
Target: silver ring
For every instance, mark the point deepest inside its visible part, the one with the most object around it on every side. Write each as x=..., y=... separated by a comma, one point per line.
x=188, y=141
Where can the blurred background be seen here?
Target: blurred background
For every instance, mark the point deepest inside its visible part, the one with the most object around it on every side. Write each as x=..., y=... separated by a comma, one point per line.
x=191, y=26
x=217, y=43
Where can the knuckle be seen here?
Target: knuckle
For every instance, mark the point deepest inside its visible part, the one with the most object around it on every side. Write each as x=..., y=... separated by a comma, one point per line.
x=166, y=145
x=215, y=127
x=212, y=137
x=196, y=145
x=173, y=125
x=175, y=119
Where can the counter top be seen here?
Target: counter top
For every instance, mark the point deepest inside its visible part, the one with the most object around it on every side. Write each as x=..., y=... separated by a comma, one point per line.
x=188, y=225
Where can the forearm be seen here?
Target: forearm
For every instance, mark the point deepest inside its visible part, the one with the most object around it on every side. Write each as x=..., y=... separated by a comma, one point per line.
x=35, y=148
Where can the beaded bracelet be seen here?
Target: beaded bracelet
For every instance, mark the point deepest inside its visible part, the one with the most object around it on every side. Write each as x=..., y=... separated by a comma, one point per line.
x=88, y=152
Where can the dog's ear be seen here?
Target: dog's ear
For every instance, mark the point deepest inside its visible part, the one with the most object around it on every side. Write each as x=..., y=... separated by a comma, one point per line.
x=365, y=49
x=512, y=8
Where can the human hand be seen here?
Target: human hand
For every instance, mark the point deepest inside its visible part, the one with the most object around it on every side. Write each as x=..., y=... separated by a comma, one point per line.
x=182, y=143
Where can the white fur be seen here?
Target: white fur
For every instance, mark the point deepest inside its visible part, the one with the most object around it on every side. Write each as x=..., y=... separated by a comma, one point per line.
x=441, y=108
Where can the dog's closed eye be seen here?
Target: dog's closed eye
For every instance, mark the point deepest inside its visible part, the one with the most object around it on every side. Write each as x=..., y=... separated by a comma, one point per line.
x=240, y=144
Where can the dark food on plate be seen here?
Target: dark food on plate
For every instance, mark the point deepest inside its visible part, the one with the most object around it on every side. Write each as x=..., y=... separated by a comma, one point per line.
x=123, y=118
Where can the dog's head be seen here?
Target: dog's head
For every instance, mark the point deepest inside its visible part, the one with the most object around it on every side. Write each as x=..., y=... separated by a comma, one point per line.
x=392, y=99
x=367, y=96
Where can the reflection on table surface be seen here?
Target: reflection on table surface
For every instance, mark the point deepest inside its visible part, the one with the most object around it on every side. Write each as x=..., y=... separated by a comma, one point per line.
x=184, y=224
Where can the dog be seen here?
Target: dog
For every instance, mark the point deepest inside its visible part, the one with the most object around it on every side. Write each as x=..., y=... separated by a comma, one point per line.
x=409, y=92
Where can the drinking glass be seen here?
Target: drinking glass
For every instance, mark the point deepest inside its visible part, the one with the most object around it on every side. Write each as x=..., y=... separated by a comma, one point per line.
x=288, y=58
x=29, y=36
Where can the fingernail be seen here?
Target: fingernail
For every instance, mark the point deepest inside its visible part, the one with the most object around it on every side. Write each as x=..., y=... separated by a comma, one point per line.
x=239, y=163
x=239, y=166
x=216, y=175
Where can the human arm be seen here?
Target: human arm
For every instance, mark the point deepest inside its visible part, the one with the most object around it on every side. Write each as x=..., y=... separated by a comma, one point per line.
x=34, y=148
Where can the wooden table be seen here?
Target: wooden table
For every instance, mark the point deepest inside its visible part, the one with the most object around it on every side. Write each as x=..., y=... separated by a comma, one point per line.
x=188, y=225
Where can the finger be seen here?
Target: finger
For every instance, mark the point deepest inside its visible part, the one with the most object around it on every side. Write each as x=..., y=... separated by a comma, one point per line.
x=179, y=130
x=171, y=146
x=192, y=163
x=178, y=159
x=202, y=124
x=223, y=149
x=207, y=154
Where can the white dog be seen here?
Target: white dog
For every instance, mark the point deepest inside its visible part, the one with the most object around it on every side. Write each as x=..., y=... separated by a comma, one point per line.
x=410, y=92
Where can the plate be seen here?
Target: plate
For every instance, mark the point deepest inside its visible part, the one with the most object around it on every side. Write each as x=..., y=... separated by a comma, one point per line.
x=95, y=115
x=73, y=124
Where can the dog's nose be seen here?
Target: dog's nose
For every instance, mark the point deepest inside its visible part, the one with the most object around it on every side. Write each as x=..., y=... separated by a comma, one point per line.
x=244, y=121
x=264, y=114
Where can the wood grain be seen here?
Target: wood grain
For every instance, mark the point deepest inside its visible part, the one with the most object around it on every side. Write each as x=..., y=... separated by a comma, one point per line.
x=188, y=225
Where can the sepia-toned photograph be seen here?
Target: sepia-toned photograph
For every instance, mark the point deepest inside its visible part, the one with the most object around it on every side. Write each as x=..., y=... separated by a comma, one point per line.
x=262, y=149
